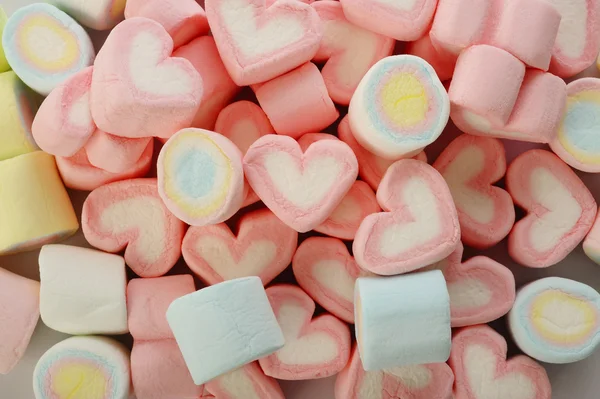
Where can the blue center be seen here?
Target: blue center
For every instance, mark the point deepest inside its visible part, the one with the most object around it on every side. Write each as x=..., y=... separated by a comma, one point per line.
x=582, y=126
x=195, y=174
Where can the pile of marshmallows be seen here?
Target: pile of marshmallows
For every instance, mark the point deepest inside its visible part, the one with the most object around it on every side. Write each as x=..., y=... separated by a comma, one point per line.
x=160, y=74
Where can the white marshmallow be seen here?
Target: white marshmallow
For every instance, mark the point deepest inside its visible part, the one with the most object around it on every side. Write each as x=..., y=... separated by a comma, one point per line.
x=402, y=320
x=82, y=290
x=223, y=327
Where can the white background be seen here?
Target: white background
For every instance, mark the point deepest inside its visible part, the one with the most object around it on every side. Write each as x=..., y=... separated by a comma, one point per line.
x=574, y=381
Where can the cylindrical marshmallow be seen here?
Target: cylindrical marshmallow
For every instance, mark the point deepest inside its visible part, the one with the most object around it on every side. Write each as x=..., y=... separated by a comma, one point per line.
x=556, y=320
x=399, y=107
x=591, y=243
x=297, y=102
x=82, y=290
x=402, y=320
x=18, y=106
x=45, y=46
x=231, y=323
x=3, y=62
x=35, y=208
x=95, y=14
x=115, y=154
x=201, y=177
x=83, y=367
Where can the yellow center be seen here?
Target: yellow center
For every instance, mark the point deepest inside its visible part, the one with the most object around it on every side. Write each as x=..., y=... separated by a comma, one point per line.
x=404, y=100
x=79, y=381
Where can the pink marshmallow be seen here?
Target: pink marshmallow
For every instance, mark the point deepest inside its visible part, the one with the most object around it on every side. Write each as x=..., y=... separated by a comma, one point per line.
x=138, y=89
x=297, y=102
x=79, y=174
x=591, y=244
x=130, y=215
x=314, y=347
x=404, y=20
x=243, y=123
x=426, y=381
x=419, y=226
x=258, y=43
x=471, y=165
x=525, y=28
x=19, y=313
x=348, y=51
x=480, y=351
x=560, y=209
x=147, y=303
x=246, y=382
x=343, y=222
x=263, y=246
x=158, y=371
x=218, y=88
x=325, y=269
x=371, y=167
x=184, y=20
x=441, y=60
x=301, y=187
x=481, y=290
x=63, y=123
x=114, y=154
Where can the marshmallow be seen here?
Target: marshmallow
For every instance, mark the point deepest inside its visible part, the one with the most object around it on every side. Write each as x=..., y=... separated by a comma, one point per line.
x=79, y=174
x=481, y=370
x=218, y=88
x=556, y=320
x=404, y=20
x=147, y=302
x=427, y=381
x=158, y=371
x=415, y=307
x=230, y=323
x=115, y=154
x=560, y=209
x=248, y=382
x=371, y=167
x=83, y=367
x=130, y=215
x=3, y=62
x=138, y=89
x=243, y=123
x=263, y=247
x=419, y=226
x=184, y=20
x=575, y=142
x=32, y=38
x=526, y=29
x=347, y=50
x=63, y=124
x=95, y=14
x=35, y=208
x=471, y=165
x=399, y=107
x=518, y=104
x=325, y=269
x=591, y=244
x=578, y=39
x=201, y=177
x=481, y=290
x=258, y=43
x=441, y=60
x=297, y=102
x=82, y=290
x=18, y=105
x=314, y=347
x=19, y=313
x=301, y=187
x=344, y=221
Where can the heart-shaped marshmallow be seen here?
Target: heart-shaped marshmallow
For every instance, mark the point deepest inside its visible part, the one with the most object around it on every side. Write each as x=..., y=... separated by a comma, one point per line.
x=263, y=247
x=478, y=360
x=97, y=14
x=481, y=290
x=420, y=225
x=114, y=154
x=130, y=215
x=426, y=381
x=138, y=89
x=314, y=348
x=349, y=51
x=327, y=272
x=561, y=209
x=471, y=165
x=248, y=382
x=258, y=43
x=301, y=188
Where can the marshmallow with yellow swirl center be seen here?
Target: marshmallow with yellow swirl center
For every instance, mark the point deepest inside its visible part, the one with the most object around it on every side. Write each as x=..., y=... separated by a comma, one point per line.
x=95, y=14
